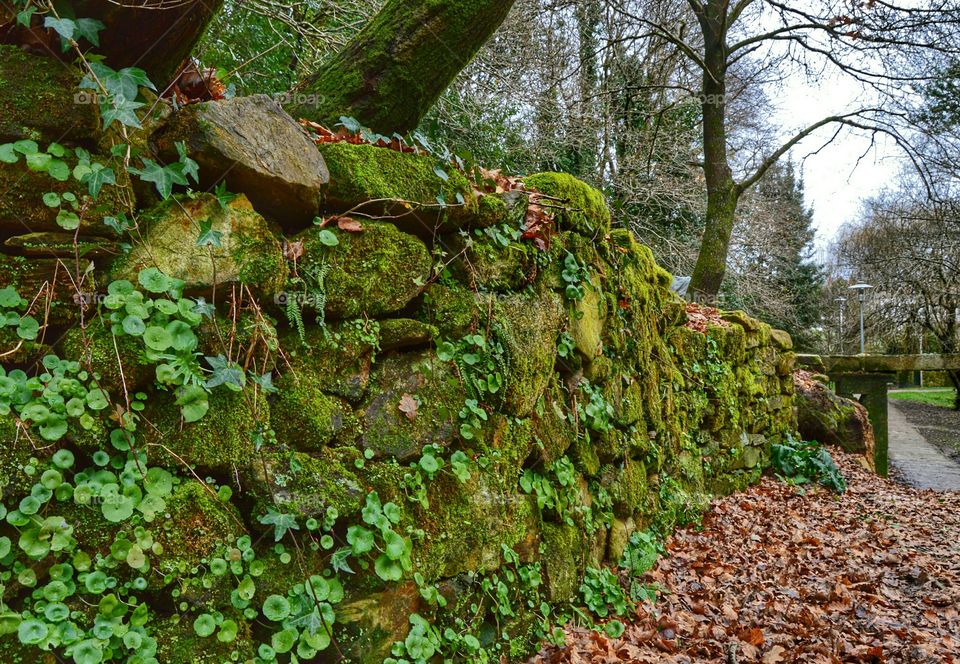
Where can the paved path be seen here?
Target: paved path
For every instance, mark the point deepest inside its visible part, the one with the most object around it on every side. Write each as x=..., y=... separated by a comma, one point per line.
x=920, y=464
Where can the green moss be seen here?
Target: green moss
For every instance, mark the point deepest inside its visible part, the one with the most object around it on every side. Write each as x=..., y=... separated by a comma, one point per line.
x=378, y=181
x=223, y=440
x=306, y=419
x=587, y=316
x=304, y=485
x=336, y=359
x=249, y=251
x=374, y=272
x=37, y=100
x=585, y=210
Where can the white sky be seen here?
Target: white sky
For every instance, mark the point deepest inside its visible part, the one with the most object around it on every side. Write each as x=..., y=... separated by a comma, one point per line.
x=835, y=183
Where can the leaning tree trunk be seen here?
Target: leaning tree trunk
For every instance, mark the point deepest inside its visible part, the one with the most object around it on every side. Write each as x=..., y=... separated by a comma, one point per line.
x=154, y=35
x=392, y=72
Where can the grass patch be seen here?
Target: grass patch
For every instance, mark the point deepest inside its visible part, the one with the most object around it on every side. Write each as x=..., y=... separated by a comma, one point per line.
x=932, y=397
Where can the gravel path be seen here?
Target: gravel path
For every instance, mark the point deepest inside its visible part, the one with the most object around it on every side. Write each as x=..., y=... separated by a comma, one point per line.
x=917, y=462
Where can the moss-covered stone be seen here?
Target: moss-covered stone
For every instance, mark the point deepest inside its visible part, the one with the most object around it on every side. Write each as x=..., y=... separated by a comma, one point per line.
x=584, y=208
x=405, y=187
x=304, y=485
x=452, y=309
x=45, y=281
x=488, y=266
x=196, y=523
x=437, y=393
x=336, y=359
x=467, y=524
x=22, y=209
x=119, y=361
x=528, y=327
x=305, y=418
x=222, y=441
x=587, y=316
x=563, y=558
x=40, y=99
x=403, y=333
x=373, y=272
x=249, y=252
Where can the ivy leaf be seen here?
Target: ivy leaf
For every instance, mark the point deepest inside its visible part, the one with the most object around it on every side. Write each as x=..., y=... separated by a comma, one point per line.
x=98, y=176
x=125, y=83
x=64, y=27
x=190, y=167
x=265, y=382
x=122, y=110
x=338, y=561
x=89, y=29
x=120, y=224
x=209, y=237
x=280, y=521
x=23, y=18
x=161, y=176
x=224, y=197
x=225, y=373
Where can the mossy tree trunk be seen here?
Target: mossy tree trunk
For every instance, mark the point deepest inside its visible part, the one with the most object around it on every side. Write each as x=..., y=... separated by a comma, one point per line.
x=392, y=72
x=723, y=193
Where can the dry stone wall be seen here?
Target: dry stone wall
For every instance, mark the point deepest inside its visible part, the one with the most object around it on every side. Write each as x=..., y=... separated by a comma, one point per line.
x=517, y=407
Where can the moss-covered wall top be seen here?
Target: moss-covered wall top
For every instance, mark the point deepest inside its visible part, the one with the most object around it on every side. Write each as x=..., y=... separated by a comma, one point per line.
x=242, y=438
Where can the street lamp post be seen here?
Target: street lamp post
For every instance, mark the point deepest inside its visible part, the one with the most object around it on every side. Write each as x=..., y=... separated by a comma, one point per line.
x=840, y=300
x=861, y=295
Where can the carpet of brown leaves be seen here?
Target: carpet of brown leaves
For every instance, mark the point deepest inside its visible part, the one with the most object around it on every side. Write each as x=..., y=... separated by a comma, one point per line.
x=699, y=317
x=779, y=576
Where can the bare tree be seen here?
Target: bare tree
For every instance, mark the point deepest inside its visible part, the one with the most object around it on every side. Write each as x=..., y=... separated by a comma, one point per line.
x=908, y=246
x=883, y=46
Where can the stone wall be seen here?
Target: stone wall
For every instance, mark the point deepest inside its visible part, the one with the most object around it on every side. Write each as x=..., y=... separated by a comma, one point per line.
x=518, y=404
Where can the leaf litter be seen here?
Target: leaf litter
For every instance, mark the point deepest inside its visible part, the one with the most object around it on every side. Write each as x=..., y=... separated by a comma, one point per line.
x=782, y=574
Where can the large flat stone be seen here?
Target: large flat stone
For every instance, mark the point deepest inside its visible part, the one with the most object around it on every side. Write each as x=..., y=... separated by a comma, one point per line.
x=257, y=149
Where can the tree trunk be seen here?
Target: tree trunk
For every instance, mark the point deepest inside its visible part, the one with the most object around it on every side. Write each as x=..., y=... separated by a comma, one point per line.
x=392, y=72
x=154, y=35
x=722, y=192
x=147, y=35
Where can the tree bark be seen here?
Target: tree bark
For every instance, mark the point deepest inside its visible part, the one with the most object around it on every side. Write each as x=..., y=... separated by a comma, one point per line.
x=154, y=35
x=723, y=192
x=394, y=70
x=148, y=35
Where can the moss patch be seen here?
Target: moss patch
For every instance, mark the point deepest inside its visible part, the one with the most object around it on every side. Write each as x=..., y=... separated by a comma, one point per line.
x=374, y=272
x=585, y=209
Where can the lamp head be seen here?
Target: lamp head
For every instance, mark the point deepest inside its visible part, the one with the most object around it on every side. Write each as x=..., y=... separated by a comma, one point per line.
x=861, y=290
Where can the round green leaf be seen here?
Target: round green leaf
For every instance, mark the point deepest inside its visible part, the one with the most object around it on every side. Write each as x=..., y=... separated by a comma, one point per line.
x=154, y=280
x=157, y=338
x=204, y=625
x=276, y=608
x=133, y=325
